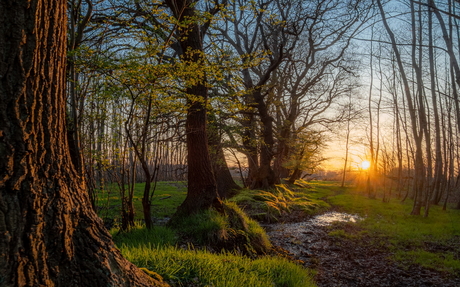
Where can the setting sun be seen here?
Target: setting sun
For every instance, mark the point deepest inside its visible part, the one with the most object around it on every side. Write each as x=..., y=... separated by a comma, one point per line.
x=365, y=164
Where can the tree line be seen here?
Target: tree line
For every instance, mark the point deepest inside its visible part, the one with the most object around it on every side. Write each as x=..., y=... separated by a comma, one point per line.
x=263, y=79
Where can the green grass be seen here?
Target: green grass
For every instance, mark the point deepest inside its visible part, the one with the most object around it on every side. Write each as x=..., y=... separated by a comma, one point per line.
x=167, y=197
x=140, y=236
x=181, y=267
x=233, y=230
x=408, y=236
x=432, y=242
x=157, y=249
x=201, y=228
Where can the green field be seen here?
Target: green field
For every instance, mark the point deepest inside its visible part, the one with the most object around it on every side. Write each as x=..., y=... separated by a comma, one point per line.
x=166, y=198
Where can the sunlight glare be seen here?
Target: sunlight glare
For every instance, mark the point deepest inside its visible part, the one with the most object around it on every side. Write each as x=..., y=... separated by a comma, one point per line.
x=365, y=164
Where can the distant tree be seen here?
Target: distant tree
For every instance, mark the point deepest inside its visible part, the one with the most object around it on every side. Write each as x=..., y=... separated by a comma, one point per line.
x=50, y=236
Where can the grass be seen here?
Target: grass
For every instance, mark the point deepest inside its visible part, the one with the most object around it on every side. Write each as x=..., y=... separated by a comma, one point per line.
x=167, y=197
x=270, y=206
x=140, y=236
x=233, y=230
x=181, y=267
x=157, y=249
x=202, y=228
x=432, y=242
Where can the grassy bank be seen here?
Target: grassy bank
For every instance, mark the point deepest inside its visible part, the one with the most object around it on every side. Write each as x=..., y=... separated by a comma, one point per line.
x=158, y=250
x=194, y=251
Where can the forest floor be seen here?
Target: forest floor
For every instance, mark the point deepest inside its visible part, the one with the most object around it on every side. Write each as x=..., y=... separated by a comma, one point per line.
x=377, y=244
x=342, y=261
x=348, y=254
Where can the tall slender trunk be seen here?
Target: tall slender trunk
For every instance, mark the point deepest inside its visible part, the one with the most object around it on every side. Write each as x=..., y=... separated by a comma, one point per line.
x=419, y=165
x=438, y=150
x=370, y=189
x=347, y=142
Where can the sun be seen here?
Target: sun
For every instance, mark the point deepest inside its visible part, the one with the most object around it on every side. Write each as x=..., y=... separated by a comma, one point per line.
x=365, y=164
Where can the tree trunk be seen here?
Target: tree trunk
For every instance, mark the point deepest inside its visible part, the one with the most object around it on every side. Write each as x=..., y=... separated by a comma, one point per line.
x=419, y=177
x=438, y=164
x=265, y=177
x=347, y=143
x=202, y=191
x=282, y=153
x=50, y=236
x=250, y=146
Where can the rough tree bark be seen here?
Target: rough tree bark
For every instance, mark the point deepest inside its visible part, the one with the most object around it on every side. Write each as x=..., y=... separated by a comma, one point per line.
x=49, y=234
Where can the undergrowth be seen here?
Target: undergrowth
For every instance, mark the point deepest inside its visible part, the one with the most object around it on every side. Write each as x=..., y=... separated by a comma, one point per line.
x=272, y=205
x=157, y=250
x=432, y=242
x=231, y=230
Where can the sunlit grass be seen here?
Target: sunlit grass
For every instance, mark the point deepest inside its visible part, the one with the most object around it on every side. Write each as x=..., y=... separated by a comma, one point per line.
x=156, y=251
x=181, y=267
x=139, y=235
x=270, y=205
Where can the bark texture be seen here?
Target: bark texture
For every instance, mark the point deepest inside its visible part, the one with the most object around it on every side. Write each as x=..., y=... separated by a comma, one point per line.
x=49, y=235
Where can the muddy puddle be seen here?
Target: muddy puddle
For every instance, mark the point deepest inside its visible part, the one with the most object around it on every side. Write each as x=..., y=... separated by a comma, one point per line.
x=303, y=239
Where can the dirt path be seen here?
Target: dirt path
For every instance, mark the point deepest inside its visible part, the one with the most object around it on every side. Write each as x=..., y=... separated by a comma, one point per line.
x=344, y=261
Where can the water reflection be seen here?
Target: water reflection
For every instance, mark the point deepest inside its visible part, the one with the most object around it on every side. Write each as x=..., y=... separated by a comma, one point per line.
x=334, y=216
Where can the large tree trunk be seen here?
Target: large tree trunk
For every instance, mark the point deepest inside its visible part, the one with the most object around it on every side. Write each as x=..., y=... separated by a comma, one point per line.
x=49, y=234
x=202, y=191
